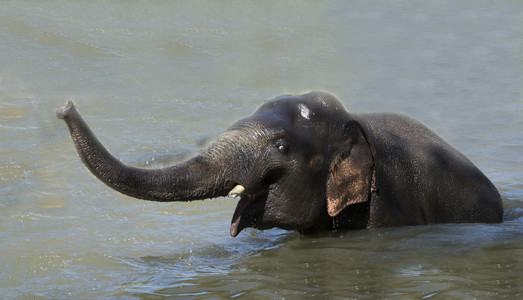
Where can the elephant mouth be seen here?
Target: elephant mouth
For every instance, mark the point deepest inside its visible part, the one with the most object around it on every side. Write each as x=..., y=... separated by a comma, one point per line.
x=247, y=209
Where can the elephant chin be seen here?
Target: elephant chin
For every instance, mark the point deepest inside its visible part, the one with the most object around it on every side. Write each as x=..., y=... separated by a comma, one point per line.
x=248, y=211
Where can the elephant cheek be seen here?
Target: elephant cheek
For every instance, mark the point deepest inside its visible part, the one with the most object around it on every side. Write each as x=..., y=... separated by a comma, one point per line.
x=316, y=163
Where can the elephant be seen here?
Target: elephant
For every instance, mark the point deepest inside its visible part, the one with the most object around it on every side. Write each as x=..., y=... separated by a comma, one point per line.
x=304, y=163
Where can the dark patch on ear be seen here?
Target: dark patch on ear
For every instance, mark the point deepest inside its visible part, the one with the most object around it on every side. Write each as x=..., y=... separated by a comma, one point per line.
x=351, y=173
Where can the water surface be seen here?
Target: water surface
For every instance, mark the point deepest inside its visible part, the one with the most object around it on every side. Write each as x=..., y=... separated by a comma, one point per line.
x=157, y=81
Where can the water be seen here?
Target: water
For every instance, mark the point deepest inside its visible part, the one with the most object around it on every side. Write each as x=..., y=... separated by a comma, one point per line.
x=156, y=81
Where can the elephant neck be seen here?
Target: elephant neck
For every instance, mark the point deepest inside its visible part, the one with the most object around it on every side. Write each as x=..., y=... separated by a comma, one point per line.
x=355, y=216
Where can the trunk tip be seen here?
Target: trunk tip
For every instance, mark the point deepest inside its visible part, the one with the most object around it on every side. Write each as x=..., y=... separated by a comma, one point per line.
x=65, y=110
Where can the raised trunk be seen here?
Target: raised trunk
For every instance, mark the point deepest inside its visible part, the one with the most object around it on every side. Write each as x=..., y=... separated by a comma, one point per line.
x=197, y=178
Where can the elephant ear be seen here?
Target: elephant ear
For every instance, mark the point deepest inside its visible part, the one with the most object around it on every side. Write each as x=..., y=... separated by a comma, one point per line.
x=350, y=176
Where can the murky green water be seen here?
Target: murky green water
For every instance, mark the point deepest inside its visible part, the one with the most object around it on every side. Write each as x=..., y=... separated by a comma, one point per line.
x=157, y=80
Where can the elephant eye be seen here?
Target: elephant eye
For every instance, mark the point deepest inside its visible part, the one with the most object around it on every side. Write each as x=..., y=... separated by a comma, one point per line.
x=282, y=147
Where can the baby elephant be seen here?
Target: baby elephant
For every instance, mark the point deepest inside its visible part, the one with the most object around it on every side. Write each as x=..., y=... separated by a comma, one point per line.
x=304, y=163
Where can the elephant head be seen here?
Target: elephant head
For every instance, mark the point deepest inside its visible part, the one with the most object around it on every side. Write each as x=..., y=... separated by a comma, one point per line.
x=304, y=163
x=285, y=162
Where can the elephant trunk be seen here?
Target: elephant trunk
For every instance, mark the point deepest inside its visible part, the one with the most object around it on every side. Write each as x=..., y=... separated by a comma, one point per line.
x=198, y=178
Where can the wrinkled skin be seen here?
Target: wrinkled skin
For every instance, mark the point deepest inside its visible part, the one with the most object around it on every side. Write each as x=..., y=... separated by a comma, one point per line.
x=304, y=163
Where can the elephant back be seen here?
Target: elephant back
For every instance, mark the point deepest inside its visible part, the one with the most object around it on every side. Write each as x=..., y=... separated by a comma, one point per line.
x=421, y=179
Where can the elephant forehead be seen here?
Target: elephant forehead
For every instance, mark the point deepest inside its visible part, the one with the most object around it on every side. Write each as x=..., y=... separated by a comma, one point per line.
x=304, y=106
x=292, y=112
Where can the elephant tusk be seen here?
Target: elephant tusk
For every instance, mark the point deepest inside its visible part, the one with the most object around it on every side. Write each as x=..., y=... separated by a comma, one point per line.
x=237, y=191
